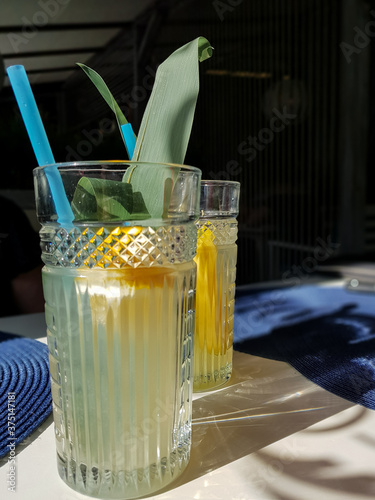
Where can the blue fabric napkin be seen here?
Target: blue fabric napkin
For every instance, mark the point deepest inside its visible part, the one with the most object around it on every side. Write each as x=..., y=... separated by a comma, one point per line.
x=25, y=395
x=326, y=333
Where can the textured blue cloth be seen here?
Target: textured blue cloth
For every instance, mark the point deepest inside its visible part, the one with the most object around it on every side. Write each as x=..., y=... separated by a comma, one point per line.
x=326, y=333
x=25, y=395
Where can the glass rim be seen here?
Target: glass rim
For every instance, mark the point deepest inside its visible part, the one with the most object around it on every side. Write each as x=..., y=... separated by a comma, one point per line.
x=78, y=165
x=219, y=182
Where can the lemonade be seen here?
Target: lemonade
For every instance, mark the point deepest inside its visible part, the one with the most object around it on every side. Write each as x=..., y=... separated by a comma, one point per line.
x=120, y=407
x=120, y=298
x=216, y=273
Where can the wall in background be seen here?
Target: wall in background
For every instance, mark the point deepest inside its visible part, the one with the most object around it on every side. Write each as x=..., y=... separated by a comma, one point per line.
x=283, y=108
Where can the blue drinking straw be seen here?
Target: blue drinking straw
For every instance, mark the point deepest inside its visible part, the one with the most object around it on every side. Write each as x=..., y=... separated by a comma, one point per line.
x=38, y=138
x=129, y=138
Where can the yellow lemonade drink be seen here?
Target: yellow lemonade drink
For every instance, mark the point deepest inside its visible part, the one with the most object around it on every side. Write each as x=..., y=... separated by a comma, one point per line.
x=216, y=260
x=119, y=285
x=121, y=408
x=216, y=274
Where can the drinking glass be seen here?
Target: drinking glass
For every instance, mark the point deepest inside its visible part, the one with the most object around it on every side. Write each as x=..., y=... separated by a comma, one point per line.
x=216, y=275
x=119, y=305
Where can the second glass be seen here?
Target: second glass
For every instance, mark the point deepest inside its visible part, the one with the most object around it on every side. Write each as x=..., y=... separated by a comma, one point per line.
x=216, y=274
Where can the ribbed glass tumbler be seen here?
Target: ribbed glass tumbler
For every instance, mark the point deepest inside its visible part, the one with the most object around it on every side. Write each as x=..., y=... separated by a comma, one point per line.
x=120, y=320
x=216, y=275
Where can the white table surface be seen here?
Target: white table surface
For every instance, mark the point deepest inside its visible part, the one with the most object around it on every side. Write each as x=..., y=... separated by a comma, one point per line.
x=269, y=435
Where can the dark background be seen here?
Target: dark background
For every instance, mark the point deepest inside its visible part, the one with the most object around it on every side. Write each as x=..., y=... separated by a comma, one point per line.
x=307, y=195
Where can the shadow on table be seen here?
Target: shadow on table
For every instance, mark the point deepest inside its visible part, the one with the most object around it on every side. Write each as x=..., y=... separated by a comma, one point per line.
x=329, y=471
x=266, y=401
x=312, y=471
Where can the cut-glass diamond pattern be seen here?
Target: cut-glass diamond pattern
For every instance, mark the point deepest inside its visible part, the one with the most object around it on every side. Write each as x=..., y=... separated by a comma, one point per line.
x=220, y=231
x=120, y=247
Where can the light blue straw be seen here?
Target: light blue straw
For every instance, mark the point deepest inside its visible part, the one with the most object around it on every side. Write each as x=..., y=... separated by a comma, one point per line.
x=129, y=138
x=38, y=138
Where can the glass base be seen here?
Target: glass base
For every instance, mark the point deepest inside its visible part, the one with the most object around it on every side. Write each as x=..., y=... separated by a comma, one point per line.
x=123, y=484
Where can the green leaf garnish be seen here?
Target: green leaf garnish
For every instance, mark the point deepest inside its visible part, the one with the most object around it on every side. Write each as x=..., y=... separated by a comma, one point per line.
x=139, y=207
x=157, y=182
x=164, y=133
x=100, y=84
x=166, y=125
x=105, y=200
